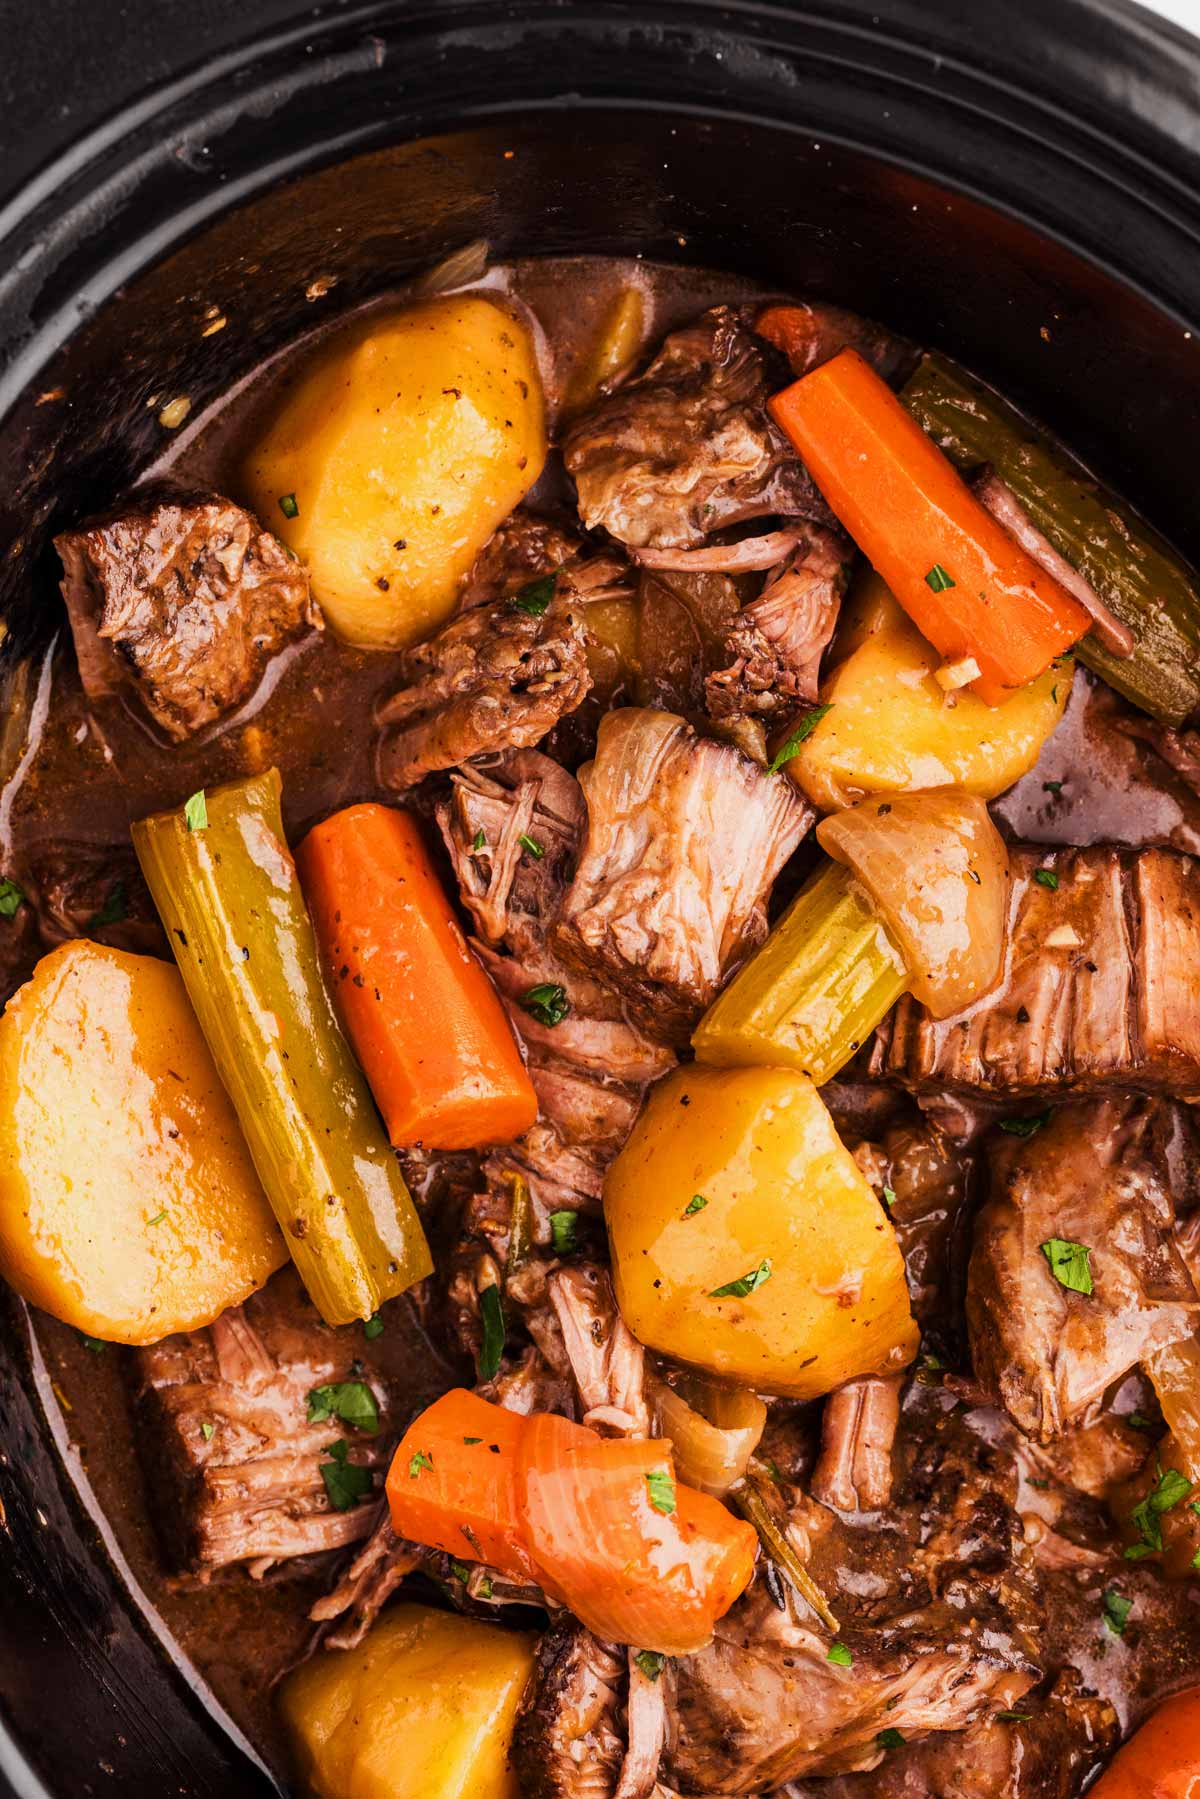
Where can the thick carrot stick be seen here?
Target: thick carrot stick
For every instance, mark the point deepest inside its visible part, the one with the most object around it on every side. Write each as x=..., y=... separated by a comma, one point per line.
x=1161, y=1760
x=453, y=1482
x=421, y=1015
x=964, y=581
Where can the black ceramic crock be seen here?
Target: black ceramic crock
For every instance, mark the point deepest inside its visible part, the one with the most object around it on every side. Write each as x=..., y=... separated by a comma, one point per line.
x=1015, y=180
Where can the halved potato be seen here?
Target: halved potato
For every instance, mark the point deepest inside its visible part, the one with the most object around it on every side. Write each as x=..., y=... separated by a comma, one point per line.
x=425, y=1705
x=129, y=1206
x=399, y=449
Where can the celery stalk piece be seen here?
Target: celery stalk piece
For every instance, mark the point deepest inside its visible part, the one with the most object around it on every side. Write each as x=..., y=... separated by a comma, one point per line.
x=1137, y=574
x=814, y=992
x=226, y=889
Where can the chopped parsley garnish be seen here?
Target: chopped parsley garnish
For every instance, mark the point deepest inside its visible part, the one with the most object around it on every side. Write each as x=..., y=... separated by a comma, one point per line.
x=803, y=730
x=1046, y=877
x=11, y=896
x=491, y=1316
x=531, y=846
x=350, y=1400
x=660, y=1483
x=460, y=1571
x=97, y=1345
x=345, y=1482
x=484, y=1590
x=1014, y=1717
x=1116, y=1611
x=1196, y=1559
x=650, y=1662
x=1054, y=787
x=1024, y=1127
x=547, y=1002
x=288, y=505
x=890, y=1738
x=1167, y=1492
x=534, y=597
x=1070, y=1263
x=695, y=1204
x=563, y=1229
x=112, y=911
x=479, y=841
x=195, y=812
x=419, y=1462
x=840, y=1654
x=1139, y=1421
x=937, y=580
x=472, y=1439
x=745, y=1283
x=889, y=1197
x=206, y=1431
x=157, y=1218
x=373, y=1327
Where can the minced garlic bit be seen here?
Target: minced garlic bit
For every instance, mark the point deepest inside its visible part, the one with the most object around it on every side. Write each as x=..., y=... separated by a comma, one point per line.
x=1063, y=936
x=316, y=290
x=215, y=325
x=174, y=413
x=953, y=675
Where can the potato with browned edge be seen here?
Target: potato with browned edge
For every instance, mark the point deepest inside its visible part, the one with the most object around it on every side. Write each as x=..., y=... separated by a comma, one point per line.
x=746, y=1242
x=129, y=1206
x=402, y=444
x=425, y=1704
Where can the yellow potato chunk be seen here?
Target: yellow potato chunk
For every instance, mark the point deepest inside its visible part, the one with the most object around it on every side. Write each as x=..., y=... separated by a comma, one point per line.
x=424, y=1705
x=129, y=1206
x=735, y=1179
x=892, y=728
x=394, y=456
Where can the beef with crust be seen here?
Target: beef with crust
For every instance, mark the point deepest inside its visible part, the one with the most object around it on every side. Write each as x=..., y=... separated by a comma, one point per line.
x=1100, y=987
x=184, y=598
x=687, y=448
x=569, y=1742
x=233, y=1463
x=685, y=837
x=776, y=643
x=498, y=677
x=1095, y=1174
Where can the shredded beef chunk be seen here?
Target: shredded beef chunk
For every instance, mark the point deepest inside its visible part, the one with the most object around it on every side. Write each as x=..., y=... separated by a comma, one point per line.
x=569, y=1741
x=188, y=599
x=498, y=677
x=777, y=641
x=688, y=448
x=925, y=1180
x=685, y=838
x=84, y=890
x=234, y=1465
x=936, y=1603
x=1095, y=1175
x=1101, y=986
x=525, y=548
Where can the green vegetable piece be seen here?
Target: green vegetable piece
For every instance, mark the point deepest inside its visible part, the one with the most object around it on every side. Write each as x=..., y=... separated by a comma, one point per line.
x=531, y=846
x=288, y=505
x=418, y=1462
x=1046, y=877
x=745, y=1283
x=1116, y=1611
x=889, y=1197
x=195, y=811
x=650, y=1662
x=534, y=597
x=1137, y=574
x=1054, y=787
x=308, y=1117
x=157, y=1218
x=564, y=1227
x=350, y=1400
x=206, y=1430
x=695, y=1204
x=112, y=911
x=548, y=1003
x=97, y=1345
x=373, y=1327
x=345, y=1482
x=890, y=1739
x=479, y=841
x=802, y=732
x=660, y=1483
x=1024, y=1127
x=1014, y=1717
x=491, y=1316
x=11, y=898
x=839, y=1654
x=1070, y=1263
x=460, y=1571
x=937, y=580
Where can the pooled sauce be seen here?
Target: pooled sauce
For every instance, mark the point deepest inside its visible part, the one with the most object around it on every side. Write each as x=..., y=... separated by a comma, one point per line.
x=87, y=772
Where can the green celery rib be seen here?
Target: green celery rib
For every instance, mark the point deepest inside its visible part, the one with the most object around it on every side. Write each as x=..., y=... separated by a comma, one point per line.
x=1137, y=574
x=235, y=918
x=816, y=989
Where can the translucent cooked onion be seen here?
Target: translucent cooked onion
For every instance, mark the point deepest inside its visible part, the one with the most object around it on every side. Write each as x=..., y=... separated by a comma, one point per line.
x=936, y=869
x=1175, y=1372
x=713, y=1430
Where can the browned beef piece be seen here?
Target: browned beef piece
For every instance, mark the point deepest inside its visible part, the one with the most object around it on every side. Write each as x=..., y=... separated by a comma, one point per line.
x=1094, y=1174
x=688, y=448
x=92, y=890
x=685, y=838
x=570, y=1736
x=186, y=597
x=1101, y=986
x=925, y=1180
x=777, y=641
x=936, y=1601
x=1045, y=1751
x=233, y=1464
x=495, y=678
x=524, y=548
